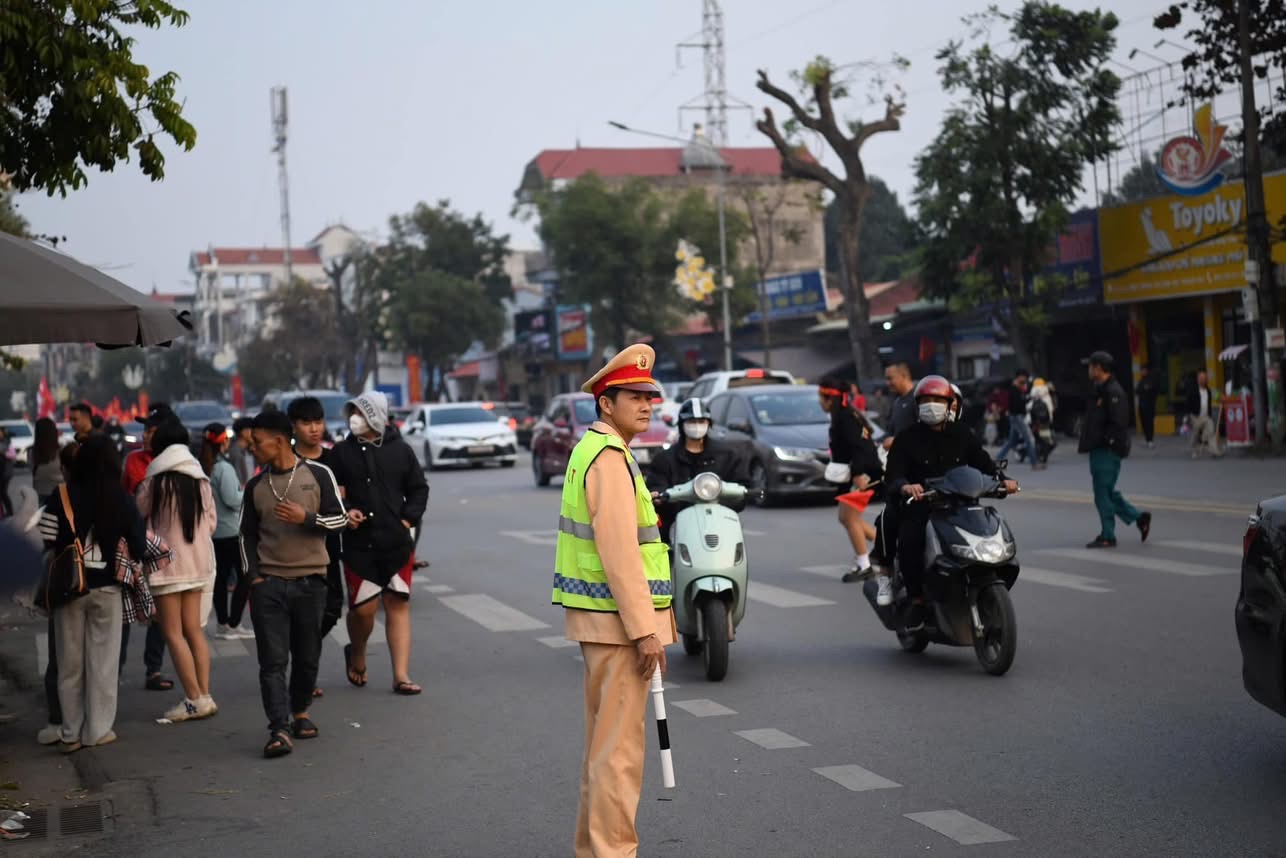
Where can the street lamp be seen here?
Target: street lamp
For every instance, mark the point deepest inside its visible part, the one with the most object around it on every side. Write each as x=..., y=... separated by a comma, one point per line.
x=717, y=160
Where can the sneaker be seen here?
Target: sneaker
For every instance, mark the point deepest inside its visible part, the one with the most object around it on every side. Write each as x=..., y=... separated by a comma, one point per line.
x=206, y=707
x=1144, y=524
x=107, y=739
x=1100, y=542
x=50, y=734
x=244, y=632
x=857, y=573
x=885, y=594
x=226, y=634
x=184, y=710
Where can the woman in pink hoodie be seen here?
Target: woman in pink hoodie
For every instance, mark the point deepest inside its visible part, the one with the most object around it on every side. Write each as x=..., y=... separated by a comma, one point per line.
x=178, y=504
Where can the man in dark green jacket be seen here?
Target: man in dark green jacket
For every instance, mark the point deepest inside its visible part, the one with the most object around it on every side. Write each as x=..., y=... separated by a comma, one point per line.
x=1105, y=435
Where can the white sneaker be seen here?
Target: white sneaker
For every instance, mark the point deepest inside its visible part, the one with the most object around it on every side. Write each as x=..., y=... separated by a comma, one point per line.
x=885, y=595
x=50, y=734
x=206, y=707
x=226, y=634
x=184, y=710
x=244, y=632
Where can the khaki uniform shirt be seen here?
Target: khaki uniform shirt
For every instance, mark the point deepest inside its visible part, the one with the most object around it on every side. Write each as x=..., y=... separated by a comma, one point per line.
x=609, y=488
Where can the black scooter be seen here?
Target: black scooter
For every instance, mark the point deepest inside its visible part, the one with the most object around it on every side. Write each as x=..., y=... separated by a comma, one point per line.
x=970, y=565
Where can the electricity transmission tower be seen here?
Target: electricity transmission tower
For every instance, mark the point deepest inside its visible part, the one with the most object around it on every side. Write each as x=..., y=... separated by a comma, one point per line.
x=283, y=181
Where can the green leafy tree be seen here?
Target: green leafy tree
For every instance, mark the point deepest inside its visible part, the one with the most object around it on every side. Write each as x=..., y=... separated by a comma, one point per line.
x=74, y=96
x=823, y=84
x=1138, y=183
x=455, y=244
x=613, y=246
x=994, y=186
x=297, y=349
x=887, y=236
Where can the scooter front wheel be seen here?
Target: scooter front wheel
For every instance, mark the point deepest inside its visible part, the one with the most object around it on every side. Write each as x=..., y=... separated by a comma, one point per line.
x=714, y=620
x=999, y=642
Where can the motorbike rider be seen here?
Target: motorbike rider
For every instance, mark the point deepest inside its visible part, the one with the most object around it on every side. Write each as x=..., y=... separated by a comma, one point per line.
x=695, y=453
x=851, y=446
x=929, y=449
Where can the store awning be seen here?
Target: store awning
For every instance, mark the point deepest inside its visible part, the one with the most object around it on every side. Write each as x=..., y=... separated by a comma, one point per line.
x=1232, y=352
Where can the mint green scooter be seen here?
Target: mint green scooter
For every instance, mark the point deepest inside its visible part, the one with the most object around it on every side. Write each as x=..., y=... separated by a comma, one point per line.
x=709, y=569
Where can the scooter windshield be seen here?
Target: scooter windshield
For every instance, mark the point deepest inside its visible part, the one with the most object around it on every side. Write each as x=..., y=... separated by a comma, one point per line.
x=966, y=482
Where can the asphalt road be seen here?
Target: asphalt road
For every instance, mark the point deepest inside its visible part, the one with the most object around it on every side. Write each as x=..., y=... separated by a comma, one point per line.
x=1121, y=730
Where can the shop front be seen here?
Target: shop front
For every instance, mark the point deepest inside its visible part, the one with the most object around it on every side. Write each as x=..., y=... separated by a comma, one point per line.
x=1176, y=264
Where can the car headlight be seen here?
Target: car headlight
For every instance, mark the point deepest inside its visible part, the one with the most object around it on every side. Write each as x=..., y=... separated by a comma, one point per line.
x=793, y=454
x=707, y=486
x=131, y=439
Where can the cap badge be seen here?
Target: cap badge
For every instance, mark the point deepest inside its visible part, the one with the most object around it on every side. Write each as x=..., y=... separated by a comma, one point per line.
x=641, y=362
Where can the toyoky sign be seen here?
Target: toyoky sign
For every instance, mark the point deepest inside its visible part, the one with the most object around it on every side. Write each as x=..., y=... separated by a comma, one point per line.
x=1172, y=246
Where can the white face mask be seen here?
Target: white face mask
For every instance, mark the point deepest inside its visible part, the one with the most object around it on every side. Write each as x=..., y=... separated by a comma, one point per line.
x=933, y=413
x=358, y=425
x=695, y=429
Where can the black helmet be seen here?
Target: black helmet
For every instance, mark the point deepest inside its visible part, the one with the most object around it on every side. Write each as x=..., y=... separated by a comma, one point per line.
x=693, y=409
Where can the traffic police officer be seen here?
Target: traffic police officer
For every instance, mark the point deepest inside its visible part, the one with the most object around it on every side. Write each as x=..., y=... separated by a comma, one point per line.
x=612, y=576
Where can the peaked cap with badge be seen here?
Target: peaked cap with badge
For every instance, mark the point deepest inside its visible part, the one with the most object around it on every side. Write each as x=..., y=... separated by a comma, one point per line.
x=631, y=369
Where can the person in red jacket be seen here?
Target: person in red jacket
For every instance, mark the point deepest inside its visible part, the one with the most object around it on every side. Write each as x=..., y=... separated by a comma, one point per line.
x=136, y=462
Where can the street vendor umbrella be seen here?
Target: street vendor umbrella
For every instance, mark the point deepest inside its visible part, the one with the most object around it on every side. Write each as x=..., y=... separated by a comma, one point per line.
x=48, y=297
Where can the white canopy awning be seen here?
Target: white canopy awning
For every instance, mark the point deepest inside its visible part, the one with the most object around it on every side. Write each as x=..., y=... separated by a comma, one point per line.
x=1232, y=352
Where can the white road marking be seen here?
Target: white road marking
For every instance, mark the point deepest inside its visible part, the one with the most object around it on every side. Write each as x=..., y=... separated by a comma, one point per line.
x=1208, y=547
x=780, y=597
x=702, y=708
x=1132, y=560
x=339, y=634
x=829, y=570
x=960, y=827
x=439, y=589
x=1063, y=579
x=856, y=778
x=749, y=532
x=42, y=653
x=557, y=642
x=772, y=739
x=491, y=614
x=533, y=537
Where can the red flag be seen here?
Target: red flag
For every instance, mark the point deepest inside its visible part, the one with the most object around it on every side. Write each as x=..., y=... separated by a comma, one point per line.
x=44, y=399
x=857, y=500
x=238, y=394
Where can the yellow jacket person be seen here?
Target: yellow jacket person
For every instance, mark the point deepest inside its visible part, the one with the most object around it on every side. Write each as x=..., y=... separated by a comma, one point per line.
x=612, y=576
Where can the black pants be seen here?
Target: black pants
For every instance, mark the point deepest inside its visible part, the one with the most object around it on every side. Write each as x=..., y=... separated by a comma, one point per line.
x=153, y=647
x=886, y=532
x=51, y=679
x=287, y=616
x=227, y=560
x=1148, y=416
x=334, y=586
x=910, y=548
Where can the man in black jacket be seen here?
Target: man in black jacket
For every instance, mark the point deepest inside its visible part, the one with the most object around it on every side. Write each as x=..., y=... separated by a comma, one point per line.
x=694, y=454
x=386, y=495
x=928, y=449
x=1105, y=435
x=1146, y=390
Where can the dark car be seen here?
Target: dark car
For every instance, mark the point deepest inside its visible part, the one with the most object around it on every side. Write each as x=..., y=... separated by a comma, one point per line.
x=564, y=423
x=1261, y=605
x=785, y=436
x=196, y=415
x=521, y=420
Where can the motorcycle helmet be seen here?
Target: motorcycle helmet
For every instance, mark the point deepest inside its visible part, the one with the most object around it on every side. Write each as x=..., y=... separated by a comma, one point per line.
x=956, y=408
x=693, y=409
x=936, y=388
x=934, y=385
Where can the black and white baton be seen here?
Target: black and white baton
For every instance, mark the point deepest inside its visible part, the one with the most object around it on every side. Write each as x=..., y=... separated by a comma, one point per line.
x=662, y=730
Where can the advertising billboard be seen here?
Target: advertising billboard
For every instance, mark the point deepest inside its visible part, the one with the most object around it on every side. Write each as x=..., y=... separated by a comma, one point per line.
x=575, y=339
x=794, y=295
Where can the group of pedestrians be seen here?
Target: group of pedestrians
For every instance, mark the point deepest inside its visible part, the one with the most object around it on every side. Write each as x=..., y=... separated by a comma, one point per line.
x=255, y=521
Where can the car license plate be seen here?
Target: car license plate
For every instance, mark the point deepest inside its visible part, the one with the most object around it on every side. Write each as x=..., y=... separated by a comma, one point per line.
x=481, y=449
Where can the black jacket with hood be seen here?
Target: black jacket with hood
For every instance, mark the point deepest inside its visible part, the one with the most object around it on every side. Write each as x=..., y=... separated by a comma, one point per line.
x=385, y=481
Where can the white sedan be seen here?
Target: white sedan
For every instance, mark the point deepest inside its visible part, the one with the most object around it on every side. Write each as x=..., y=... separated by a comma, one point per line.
x=21, y=435
x=459, y=433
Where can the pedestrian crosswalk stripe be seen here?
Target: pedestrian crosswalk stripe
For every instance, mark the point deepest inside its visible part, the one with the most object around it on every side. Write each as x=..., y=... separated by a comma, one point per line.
x=339, y=634
x=438, y=589
x=1063, y=579
x=557, y=642
x=533, y=537
x=703, y=708
x=856, y=778
x=828, y=570
x=960, y=827
x=1141, y=501
x=1135, y=560
x=780, y=597
x=771, y=739
x=491, y=614
x=1208, y=547
x=748, y=532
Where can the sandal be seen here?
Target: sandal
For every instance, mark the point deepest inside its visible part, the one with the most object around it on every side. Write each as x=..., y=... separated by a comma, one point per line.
x=156, y=682
x=317, y=692
x=408, y=689
x=360, y=680
x=279, y=744
x=304, y=728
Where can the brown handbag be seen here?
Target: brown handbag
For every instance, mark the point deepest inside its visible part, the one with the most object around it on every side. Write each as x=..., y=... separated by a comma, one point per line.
x=64, y=577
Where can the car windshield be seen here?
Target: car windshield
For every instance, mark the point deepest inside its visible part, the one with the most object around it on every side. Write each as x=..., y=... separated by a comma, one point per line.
x=16, y=430
x=468, y=414
x=197, y=412
x=793, y=408
x=585, y=412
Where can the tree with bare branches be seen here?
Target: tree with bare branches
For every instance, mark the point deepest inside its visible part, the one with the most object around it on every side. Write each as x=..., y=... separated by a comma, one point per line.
x=851, y=189
x=763, y=207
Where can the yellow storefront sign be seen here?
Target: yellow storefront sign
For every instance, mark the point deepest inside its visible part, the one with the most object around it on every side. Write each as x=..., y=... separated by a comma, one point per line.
x=1172, y=246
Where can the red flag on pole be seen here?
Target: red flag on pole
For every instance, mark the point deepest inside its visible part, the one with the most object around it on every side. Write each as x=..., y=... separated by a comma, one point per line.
x=44, y=399
x=857, y=500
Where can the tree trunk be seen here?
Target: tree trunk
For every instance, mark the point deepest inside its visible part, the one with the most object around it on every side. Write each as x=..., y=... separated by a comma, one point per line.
x=765, y=326
x=857, y=310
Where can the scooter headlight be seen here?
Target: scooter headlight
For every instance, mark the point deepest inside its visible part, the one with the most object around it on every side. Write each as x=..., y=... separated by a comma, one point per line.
x=990, y=550
x=707, y=487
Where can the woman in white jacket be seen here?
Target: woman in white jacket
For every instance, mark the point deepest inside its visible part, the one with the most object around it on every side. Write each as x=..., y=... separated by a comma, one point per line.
x=1040, y=414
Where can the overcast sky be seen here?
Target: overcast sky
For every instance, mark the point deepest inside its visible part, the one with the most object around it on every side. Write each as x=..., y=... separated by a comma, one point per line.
x=392, y=102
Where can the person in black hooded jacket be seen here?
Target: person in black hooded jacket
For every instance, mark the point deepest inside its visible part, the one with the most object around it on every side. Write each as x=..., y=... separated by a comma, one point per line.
x=386, y=495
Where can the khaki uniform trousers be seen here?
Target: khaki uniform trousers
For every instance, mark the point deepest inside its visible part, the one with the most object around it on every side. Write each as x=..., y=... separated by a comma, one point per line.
x=615, y=741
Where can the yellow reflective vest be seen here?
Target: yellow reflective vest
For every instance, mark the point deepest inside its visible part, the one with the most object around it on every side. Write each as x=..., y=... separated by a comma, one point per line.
x=579, y=579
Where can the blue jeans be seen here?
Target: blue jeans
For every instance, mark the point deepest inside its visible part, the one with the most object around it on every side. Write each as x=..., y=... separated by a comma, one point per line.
x=1019, y=434
x=1105, y=468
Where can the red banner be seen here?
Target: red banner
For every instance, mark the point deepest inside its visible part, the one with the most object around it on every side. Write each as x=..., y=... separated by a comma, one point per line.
x=414, y=392
x=238, y=395
x=1236, y=411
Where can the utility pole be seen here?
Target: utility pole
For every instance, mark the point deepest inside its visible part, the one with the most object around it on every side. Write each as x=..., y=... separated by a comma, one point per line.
x=283, y=180
x=1259, y=268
